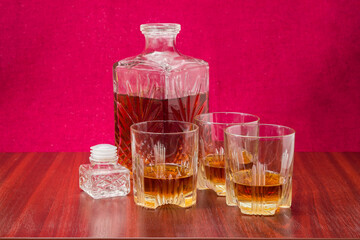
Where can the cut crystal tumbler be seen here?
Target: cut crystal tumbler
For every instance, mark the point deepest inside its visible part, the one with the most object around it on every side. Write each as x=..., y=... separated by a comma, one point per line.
x=259, y=167
x=165, y=163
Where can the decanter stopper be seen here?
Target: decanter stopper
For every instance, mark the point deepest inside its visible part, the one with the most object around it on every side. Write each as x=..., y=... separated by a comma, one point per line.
x=104, y=177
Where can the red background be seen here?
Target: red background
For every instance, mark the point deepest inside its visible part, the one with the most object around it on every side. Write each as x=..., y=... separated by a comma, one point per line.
x=295, y=63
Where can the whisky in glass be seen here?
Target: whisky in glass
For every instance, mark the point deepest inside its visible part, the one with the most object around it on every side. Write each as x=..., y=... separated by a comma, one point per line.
x=211, y=174
x=265, y=185
x=165, y=157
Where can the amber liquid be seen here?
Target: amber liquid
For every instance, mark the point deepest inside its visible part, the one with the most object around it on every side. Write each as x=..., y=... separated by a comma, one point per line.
x=133, y=109
x=214, y=168
x=168, y=184
x=255, y=199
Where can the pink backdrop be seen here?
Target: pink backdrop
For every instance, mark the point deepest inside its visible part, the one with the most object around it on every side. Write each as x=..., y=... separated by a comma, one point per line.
x=295, y=63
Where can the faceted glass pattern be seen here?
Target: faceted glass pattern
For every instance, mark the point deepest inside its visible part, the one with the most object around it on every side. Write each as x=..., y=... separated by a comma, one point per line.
x=259, y=166
x=158, y=84
x=165, y=163
x=104, y=180
x=211, y=174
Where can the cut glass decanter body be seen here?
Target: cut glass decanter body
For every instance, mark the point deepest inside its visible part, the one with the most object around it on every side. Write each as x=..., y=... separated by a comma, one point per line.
x=158, y=84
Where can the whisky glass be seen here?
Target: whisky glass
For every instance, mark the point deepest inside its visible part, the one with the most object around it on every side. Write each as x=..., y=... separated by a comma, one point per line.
x=259, y=167
x=165, y=155
x=211, y=174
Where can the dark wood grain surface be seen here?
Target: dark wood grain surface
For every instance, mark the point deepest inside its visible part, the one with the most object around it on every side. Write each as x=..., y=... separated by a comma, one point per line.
x=40, y=197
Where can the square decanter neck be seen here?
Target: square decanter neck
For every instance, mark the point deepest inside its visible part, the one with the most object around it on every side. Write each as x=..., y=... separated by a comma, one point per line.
x=160, y=43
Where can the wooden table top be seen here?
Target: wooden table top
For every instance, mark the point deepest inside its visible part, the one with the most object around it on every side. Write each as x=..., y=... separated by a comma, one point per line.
x=40, y=197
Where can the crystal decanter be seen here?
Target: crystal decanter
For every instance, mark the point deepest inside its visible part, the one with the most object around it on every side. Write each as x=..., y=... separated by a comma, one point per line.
x=158, y=84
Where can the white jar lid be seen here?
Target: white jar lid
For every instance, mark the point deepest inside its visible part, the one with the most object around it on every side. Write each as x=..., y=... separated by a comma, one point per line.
x=103, y=153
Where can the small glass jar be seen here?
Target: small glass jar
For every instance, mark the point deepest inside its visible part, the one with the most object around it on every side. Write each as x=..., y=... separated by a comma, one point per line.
x=104, y=177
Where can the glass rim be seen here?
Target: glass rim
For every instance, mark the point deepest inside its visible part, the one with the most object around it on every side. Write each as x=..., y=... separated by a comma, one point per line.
x=226, y=131
x=132, y=127
x=160, y=28
x=197, y=118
